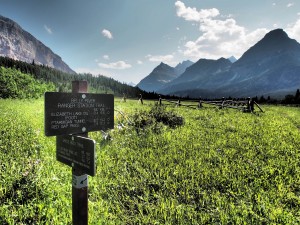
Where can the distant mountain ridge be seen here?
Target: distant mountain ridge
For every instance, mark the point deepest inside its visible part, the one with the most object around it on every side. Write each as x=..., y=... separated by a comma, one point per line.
x=203, y=68
x=161, y=75
x=271, y=67
x=18, y=44
x=181, y=67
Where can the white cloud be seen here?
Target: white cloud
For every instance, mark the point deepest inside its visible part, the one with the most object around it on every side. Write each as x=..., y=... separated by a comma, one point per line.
x=48, y=29
x=293, y=30
x=289, y=5
x=107, y=34
x=191, y=14
x=219, y=36
x=139, y=62
x=274, y=4
x=177, y=28
x=160, y=58
x=120, y=65
x=106, y=57
x=168, y=59
x=94, y=71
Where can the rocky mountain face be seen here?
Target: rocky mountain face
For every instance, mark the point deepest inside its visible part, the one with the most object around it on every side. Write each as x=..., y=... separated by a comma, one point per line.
x=161, y=75
x=18, y=44
x=270, y=68
x=204, y=74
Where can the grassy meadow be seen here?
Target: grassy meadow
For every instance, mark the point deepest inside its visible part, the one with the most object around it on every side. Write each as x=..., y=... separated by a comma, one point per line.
x=206, y=166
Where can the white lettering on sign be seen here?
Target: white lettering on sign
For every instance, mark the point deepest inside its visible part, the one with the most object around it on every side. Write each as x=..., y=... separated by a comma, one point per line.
x=72, y=119
x=66, y=105
x=69, y=113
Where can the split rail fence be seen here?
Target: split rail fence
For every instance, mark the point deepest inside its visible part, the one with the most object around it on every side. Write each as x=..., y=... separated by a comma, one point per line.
x=246, y=105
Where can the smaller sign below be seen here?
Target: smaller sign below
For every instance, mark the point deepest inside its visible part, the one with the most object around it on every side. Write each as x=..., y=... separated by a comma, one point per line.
x=77, y=151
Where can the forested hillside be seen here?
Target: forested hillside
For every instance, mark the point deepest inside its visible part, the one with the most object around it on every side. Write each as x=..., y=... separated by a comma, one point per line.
x=62, y=81
x=15, y=84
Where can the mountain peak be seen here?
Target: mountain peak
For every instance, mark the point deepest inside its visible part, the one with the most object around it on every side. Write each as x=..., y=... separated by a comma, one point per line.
x=277, y=37
x=232, y=59
x=8, y=21
x=181, y=67
x=163, y=65
x=18, y=44
x=160, y=75
x=275, y=42
x=222, y=59
x=276, y=34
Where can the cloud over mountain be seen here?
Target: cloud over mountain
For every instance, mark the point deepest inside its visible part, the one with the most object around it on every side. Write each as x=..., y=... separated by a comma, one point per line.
x=120, y=65
x=48, y=29
x=271, y=67
x=293, y=29
x=160, y=58
x=219, y=35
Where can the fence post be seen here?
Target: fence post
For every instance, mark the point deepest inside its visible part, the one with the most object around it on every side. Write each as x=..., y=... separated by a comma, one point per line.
x=178, y=103
x=124, y=97
x=252, y=105
x=79, y=195
x=248, y=104
x=141, y=99
x=200, y=103
x=159, y=101
x=223, y=101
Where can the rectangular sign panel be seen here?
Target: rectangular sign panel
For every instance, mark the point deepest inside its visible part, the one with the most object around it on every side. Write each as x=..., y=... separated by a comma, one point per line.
x=73, y=113
x=76, y=151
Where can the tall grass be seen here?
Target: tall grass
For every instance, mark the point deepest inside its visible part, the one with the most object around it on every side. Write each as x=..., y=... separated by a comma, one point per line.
x=220, y=166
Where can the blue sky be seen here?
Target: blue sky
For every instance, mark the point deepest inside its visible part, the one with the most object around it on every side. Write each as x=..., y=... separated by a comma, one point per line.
x=126, y=39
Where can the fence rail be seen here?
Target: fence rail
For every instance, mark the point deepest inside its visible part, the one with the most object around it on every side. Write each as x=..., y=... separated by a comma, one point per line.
x=246, y=105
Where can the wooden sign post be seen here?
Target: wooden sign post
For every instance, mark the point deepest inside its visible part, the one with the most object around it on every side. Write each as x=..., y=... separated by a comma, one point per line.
x=69, y=116
x=79, y=195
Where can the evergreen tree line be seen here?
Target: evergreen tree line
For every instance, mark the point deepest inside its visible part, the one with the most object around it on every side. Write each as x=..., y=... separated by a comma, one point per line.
x=292, y=99
x=63, y=81
x=289, y=99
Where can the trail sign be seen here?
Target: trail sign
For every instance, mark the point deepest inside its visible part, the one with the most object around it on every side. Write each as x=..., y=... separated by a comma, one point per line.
x=76, y=151
x=71, y=113
x=68, y=114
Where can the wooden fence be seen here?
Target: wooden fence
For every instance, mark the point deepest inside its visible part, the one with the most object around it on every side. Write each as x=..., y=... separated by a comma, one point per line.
x=246, y=105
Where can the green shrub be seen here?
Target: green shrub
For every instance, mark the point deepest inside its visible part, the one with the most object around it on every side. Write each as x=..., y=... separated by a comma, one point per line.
x=169, y=118
x=156, y=116
x=14, y=84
